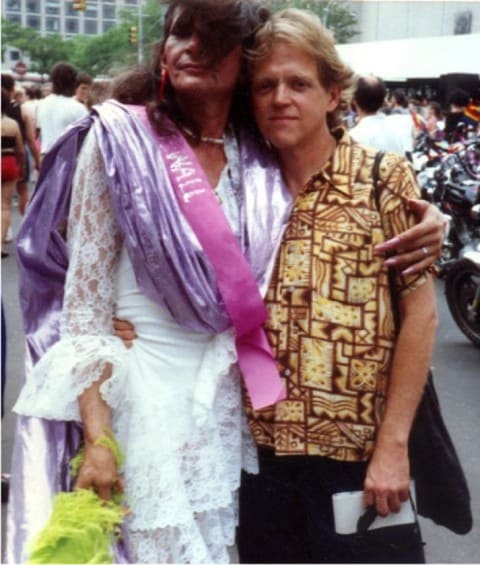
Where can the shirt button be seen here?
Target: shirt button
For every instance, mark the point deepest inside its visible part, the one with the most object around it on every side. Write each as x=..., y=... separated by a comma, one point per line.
x=287, y=373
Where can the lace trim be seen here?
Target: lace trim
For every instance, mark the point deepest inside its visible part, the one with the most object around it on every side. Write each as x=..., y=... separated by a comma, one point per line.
x=66, y=370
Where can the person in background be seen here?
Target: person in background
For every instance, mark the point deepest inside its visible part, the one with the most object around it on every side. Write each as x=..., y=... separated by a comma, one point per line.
x=27, y=129
x=472, y=113
x=13, y=163
x=19, y=95
x=434, y=121
x=401, y=121
x=353, y=385
x=398, y=102
x=424, y=103
x=99, y=91
x=59, y=109
x=33, y=96
x=457, y=122
x=82, y=87
x=419, y=126
x=373, y=128
x=46, y=88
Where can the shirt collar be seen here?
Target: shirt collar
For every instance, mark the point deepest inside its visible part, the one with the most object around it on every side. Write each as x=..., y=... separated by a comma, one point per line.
x=343, y=166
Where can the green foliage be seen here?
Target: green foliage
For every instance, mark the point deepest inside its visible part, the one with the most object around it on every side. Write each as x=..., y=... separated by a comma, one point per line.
x=102, y=54
x=17, y=36
x=43, y=51
x=335, y=14
x=46, y=51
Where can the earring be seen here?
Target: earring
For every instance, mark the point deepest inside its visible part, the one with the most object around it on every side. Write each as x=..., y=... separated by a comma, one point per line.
x=163, y=84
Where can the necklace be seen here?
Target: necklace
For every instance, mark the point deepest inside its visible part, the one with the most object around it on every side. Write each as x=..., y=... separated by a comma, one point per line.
x=204, y=138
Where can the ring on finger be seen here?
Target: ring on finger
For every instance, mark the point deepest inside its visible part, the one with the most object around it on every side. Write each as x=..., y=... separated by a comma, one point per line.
x=425, y=251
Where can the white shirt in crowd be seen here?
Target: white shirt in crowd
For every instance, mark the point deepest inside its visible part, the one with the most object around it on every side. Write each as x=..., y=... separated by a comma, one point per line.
x=386, y=133
x=55, y=113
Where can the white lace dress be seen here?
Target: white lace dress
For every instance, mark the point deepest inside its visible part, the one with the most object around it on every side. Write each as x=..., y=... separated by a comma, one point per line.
x=175, y=395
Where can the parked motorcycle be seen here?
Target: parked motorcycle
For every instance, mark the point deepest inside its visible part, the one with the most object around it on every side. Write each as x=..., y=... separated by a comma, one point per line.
x=455, y=193
x=462, y=285
x=449, y=177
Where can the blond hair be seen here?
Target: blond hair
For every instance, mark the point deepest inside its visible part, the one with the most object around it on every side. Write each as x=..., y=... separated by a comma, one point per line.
x=304, y=30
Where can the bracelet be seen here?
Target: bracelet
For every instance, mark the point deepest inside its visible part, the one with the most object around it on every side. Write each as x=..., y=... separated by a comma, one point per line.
x=107, y=440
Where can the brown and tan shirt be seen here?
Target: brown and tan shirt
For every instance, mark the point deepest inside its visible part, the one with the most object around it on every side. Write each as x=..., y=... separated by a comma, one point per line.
x=330, y=316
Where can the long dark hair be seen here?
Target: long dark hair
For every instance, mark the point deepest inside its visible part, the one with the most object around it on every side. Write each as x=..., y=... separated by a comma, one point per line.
x=221, y=25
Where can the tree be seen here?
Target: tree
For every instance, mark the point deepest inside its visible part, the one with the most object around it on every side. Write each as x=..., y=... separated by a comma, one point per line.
x=43, y=51
x=15, y=35
x=112, y=51
x=46, y=51
x=335, y=14
x=103, y=54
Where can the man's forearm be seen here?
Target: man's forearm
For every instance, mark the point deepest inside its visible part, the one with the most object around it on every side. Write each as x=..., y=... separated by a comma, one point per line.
x=409, y=367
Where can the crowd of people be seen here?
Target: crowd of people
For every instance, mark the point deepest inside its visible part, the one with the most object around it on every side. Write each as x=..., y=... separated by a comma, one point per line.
x=204, y=277
x=395, y=121
x=41, y=114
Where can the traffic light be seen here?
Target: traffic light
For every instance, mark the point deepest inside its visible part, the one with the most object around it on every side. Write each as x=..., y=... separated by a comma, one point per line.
x=80, y=5
x=132, y=35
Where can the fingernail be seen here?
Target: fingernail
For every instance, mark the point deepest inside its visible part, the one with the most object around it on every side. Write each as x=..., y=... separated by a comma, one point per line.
x=387, y=244
x=390, y=262
x=408, y=271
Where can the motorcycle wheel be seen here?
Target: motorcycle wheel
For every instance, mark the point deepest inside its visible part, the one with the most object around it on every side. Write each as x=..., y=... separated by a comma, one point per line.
x=461, y=289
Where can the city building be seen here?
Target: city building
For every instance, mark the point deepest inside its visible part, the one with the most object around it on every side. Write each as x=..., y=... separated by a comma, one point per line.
x=391, y=19
x=60, y=16
x=398, y=19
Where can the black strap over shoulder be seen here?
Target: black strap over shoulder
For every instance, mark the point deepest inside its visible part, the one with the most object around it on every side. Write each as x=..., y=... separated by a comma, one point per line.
x=376, y=177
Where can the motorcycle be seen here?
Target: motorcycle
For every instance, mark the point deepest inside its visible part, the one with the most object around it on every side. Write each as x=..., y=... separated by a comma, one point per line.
x=449, y=178
x=455, y=194
x=462, y=286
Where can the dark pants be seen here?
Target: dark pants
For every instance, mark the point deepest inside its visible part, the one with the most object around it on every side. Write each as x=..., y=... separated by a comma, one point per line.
x=286, y=516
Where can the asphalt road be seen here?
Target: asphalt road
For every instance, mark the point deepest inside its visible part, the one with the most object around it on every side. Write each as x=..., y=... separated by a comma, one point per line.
x=457, y=375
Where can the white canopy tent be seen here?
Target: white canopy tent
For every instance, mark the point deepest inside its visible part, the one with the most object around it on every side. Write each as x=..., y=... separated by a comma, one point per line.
x=427, y=57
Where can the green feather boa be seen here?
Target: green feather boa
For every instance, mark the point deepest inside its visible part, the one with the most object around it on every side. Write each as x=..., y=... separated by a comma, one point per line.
x=82, y=526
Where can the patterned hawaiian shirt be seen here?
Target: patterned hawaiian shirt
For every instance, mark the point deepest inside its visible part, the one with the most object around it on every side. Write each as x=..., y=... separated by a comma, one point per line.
x=330, y=323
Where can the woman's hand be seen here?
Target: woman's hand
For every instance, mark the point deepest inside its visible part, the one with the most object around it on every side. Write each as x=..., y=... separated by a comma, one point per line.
x=420, y=246
x=387, y=481
x=99, y=472
x=125, y=331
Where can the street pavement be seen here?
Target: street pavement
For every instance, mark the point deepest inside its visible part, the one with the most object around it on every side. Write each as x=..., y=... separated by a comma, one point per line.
x=456, y=365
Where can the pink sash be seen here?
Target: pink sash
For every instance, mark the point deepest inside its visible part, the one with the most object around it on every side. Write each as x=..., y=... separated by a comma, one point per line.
x=235, y=280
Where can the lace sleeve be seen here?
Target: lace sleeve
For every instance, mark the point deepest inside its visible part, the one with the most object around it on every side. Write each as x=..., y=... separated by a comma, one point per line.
x=87, y=342
x=94, y=245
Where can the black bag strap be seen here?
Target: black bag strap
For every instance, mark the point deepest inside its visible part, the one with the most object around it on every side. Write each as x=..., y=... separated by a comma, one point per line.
x=376, y=177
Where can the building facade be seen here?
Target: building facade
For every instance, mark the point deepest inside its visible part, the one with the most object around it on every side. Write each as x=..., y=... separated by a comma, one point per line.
x=377, y=20
x=398, y=19
x=59, y=16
